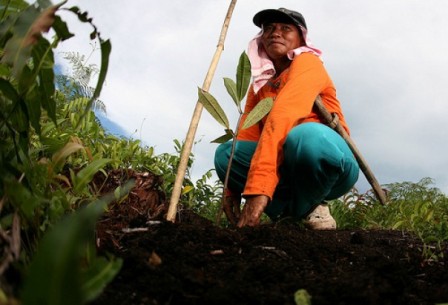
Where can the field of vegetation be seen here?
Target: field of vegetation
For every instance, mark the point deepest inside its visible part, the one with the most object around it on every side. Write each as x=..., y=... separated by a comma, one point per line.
x=56, y=167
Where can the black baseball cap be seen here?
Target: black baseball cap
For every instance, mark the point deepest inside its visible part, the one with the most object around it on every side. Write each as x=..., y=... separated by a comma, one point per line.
x=279, y=15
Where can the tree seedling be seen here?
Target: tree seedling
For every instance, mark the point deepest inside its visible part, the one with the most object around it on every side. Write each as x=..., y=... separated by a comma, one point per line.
x=237, y=90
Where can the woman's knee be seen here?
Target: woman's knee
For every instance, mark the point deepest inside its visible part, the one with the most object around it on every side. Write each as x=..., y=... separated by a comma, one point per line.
x=317, y=150
x=222, y=155
x=307, y=142
x=346, y=180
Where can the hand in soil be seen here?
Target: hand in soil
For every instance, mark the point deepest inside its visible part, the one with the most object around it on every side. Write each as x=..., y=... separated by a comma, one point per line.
x=232, y=208
x=252, y=210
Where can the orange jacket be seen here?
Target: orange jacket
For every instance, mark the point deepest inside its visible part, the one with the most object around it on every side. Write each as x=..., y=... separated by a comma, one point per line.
x=294, y=92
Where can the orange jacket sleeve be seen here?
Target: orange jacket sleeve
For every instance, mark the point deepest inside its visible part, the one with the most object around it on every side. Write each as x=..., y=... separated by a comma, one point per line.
x=307, y=78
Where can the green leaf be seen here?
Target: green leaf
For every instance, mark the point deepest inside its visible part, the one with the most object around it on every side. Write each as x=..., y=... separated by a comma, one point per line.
x=397, y=224
x=98, y=276
x=8, y=90
x=48, y=102
x=43, y=60
x=25, y=33
x=59, y=158
x=106, y=48
x=187, y=189
x=45, y=3
x=12, y=8
x=16, y=52
x=231, y=89
x=243, y=76
x=224, y=138
x=259, y=112
x=42, y=55
x=41, y=94
x=302, y=297
x=21, y=197
x=429, y=216
x=212, y=106
x=82, y=16
x=33, y=108
x=5, y=72
x=86, y=174
x=54, y=276
x=19, y=118
x=61, y=29
x=27, y=80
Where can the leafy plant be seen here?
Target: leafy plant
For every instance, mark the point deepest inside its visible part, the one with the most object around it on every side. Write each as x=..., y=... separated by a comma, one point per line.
x=414, y=207
x=45, y=170
x=77, y=84
x=203, y=197
x=237, y=90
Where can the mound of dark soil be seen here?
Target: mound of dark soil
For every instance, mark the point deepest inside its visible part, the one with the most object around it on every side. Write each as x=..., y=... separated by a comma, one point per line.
x=194, y=262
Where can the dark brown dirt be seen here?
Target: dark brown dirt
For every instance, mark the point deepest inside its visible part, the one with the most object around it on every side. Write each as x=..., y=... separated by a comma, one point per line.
x=195, y=262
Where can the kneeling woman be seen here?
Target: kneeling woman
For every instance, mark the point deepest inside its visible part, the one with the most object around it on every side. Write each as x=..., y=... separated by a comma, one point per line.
x=289, y=163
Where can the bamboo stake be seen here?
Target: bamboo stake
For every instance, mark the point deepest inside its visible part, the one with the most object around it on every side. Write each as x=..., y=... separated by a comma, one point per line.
x=328, y=117
x=183, y=164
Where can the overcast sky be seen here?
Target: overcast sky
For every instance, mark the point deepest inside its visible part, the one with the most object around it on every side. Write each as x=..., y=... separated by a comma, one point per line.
x=387, y=58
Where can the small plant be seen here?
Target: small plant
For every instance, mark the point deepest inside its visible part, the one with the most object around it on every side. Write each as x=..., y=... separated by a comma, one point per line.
x=237, y=90
x=302, y=297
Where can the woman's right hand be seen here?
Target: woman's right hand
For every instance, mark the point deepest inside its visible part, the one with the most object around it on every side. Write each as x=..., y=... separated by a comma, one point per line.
x=232, y=208
x=252, y=211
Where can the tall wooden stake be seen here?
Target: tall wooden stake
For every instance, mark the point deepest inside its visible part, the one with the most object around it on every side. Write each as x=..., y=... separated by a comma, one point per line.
x=189, y=140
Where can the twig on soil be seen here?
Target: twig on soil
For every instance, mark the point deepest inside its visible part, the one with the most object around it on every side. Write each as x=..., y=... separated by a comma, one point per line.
x=274, y=250
x=216, y=252
x=134, y=230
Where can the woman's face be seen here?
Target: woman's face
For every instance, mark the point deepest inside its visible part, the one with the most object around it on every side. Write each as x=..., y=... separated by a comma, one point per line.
x=279, y=38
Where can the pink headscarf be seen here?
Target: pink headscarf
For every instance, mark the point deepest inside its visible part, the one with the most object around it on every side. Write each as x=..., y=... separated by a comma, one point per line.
x=262, y=67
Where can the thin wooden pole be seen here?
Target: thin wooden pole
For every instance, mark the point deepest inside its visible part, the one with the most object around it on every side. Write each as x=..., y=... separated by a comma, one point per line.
x=319, y=106
x=189, y=139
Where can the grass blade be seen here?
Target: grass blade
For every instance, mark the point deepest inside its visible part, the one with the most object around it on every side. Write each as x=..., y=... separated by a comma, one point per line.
x=86, y=174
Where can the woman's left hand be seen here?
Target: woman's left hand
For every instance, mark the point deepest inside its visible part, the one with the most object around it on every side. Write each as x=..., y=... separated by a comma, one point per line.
x=252, y=211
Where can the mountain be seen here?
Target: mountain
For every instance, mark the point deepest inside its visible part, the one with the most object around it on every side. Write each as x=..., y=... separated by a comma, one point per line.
x=111, y=126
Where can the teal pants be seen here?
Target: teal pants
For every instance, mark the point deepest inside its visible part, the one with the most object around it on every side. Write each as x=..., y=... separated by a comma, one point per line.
x=318, y=165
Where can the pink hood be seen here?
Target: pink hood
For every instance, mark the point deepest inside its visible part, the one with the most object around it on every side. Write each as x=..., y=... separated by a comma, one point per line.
x=262, y=67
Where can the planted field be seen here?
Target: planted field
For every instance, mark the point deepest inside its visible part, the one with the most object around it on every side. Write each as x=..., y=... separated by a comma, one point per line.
x=195, y=262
